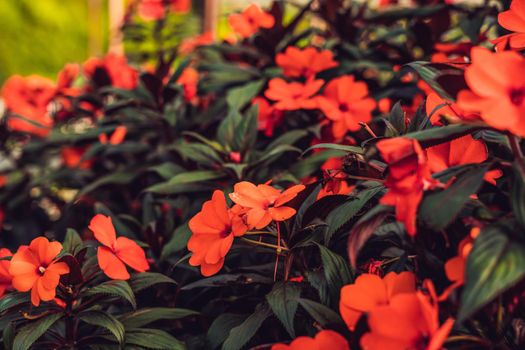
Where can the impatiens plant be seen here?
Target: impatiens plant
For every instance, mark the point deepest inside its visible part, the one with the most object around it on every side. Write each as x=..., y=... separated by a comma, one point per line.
x=333, y=175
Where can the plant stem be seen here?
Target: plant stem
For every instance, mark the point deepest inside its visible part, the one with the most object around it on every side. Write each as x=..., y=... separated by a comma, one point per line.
x=514, y=142
x=367, y=128
x=263, y=244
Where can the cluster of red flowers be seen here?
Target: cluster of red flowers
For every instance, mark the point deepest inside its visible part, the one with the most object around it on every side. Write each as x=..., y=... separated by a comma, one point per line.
x=38, y=267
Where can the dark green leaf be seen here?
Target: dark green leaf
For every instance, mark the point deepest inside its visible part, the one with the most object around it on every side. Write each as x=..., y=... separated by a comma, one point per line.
x=240, y=335
x=496, y=263
x=437, y=135
x=143, y=280
x=240, y=96
x=320, y=313
x=153, y=339
x=439, y=208
x=13, y=299
x=29, y=334
x=114, y=288
x=221, y=327
x=336, y=271
x=142, y=317
x=179, y=183
x=105, y=320
x=283, y=300
x=72, y=241
x=517, y=195
x=177, y=242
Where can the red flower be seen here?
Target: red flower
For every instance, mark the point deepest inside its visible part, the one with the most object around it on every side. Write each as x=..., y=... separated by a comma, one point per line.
x=408, y=177
x=156, y=9
x=307, y=62
x=248, y=22
x=324, y=340
x=29, y=99
x=116, y=138
x=213, y=230
x=115, y=253
x=268, y=116
x=346, y=102
x=409, y=322
x=35, y=268
x=293, y=96
x=118, y=71
x=438, y=108
x=5, y=276
x=72, y=157
x=496, y=92
x=188, y=45
x=188, y=80
x=264, y=203
x=463, y=150
x=513, y=20
x=369, y=291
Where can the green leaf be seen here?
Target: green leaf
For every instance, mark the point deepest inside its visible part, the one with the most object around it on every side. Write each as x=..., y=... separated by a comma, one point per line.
x=517, y=195
x=336, y=271
x=118, y=178
x=167, y=170
x=72, y=241
x=397, y=118
x=229, y=280
x=311, y=164
x=178, y=241
x=335, y=146
x=143, y=280
x=320, y=313
x=221, y=327
x=13, y=299
x=240, y=335
x=346, y=212
x=186, y=182
x=114, y=288
x=153, y=339
x=105, y=320
x=198, y=152
x=283, y=300
x=496, y=263
x=288, y=138
x=8, y=336
x=240, y=96
x=238, y=132
x=142, y=317
x=437, y=135
x=29, y=334
x=440, y=208
x=430, y=75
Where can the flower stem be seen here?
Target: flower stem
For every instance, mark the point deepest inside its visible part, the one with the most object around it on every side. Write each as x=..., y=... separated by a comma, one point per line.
x=514, y=142
x=263, y=244
x=367, y=128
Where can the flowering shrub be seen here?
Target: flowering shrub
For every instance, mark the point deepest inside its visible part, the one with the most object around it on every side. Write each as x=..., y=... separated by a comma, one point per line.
x=333, y=176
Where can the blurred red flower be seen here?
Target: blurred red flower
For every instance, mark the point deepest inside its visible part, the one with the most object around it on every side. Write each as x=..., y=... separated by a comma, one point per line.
x=116, y=67
x=5, y=276
x=29, y=98
x=72, y=157
x=307, y=62
x=249, y=21
x=496, y=92
x=116, y=138
x=156, y=9
x=189, y=80
x=268, y=116
x=513, y=20
x=346, y=102
x=189, y=45
x=408, y=177
x=294, y=95
x=324, y=340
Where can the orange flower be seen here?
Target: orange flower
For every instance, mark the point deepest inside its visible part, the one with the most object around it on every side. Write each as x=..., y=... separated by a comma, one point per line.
x=35, y=268
x=408, y=177
x=513, y=20
x=112, y=70
x=29, y=98
x=5, y=276
x=409, y=322
x=496, y=94
x=72, y=157
x=249, y=21
x=369, y=291
x=156, y=9
x=293, y=96
x=451, y=52
x=346, y=102
x=213, y=230
x=116, y=138
x=463, y=150
x=188, y=45
x=325, y=339
x=116, y=253
x=268, y=116
x=307, y=62
x=438, y=108
x=264, y=202
x=188, y=80
x=455, y=267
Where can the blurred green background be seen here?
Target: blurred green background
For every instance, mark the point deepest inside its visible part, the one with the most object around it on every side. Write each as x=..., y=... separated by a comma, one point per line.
x=40, y=36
